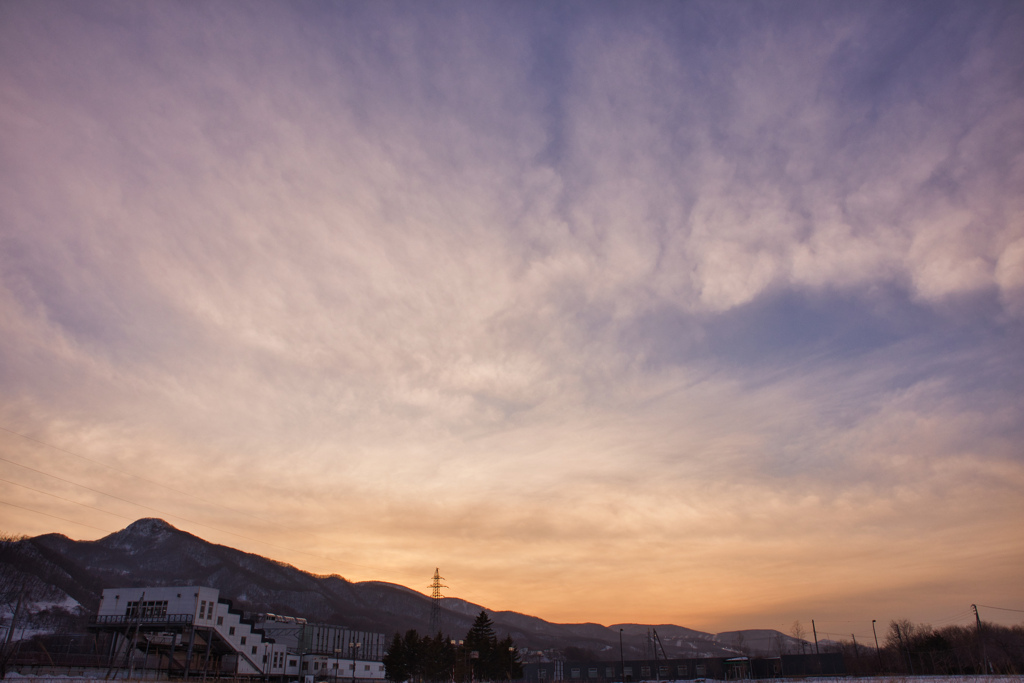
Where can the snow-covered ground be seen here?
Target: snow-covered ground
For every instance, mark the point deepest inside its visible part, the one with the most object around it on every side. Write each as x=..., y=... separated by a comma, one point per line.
x=867, y=679
x=35, y=623
x=917, y=679
x=883, y=679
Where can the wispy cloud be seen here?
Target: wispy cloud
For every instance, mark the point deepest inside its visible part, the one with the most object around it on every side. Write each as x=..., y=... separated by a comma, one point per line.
x=588, y=294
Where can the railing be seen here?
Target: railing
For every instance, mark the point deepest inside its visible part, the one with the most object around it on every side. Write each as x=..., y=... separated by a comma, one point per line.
x=126, y=620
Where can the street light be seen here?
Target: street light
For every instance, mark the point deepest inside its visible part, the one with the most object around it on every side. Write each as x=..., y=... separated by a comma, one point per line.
x=459, y=657
x=622, y=657
x=355, y=647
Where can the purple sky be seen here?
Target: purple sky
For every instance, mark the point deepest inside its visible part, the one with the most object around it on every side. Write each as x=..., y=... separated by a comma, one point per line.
x=709, y=313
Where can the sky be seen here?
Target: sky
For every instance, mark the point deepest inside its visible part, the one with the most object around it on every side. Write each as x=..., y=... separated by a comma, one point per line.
x=704, y=313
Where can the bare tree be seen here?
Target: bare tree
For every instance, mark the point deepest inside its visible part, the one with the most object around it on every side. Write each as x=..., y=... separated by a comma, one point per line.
x=798, y=632
x=780, y=644
x=21, y=588
x=901, y=632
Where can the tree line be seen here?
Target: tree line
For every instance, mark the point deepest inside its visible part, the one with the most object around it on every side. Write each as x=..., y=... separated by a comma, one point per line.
x=920, y=649
x=25, y=582
x=480, y=656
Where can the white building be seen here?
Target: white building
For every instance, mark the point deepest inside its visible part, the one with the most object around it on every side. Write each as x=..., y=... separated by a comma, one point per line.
x=191, y=630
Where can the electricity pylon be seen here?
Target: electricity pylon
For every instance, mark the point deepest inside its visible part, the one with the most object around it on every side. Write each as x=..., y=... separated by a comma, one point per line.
x=435, y=602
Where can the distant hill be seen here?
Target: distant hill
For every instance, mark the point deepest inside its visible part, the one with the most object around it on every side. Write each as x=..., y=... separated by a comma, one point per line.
x=151, y=552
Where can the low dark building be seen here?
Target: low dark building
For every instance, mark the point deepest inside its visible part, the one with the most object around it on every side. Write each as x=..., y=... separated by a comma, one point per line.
x=718, y=668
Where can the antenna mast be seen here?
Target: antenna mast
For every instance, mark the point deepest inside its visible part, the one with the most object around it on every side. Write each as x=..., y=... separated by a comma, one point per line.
x=435, y=602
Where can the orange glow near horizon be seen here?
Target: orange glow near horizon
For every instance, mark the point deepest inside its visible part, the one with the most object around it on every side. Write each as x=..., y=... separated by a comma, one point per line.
x=627, y=312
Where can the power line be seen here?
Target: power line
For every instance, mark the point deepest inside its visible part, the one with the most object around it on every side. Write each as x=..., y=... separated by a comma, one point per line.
x=960, y=616
x=40, y=512
x=838, y=621
x=1004, y=609
x=47, y=493
x=88, y=488
x=183, y=493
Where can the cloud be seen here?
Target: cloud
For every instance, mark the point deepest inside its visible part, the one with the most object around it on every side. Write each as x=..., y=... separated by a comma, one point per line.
x=525, y=287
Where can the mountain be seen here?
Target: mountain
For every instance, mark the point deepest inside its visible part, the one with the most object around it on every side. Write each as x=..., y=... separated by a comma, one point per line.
x=762, y=640
x=151, y=552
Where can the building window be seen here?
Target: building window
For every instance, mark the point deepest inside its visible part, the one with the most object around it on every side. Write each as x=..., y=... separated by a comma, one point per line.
x=609, y=672
x=684, y=671
x=542, y=674
x=220, y=621
x=628, y=671
x=231, y=631
x=645, y=671
x=575, y=673
x=291, y=662
x=700, y=669
x=148, y=609
x=254, y=652
x=202, y=609
x=305, y=666
x=592, y=672
x=663, y=670
x=243, y=640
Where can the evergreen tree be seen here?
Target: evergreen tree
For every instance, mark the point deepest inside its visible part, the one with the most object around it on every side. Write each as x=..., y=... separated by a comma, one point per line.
x=438, y=659
x=481, y=635
x=396, y=663
x=480, y=657
x=482, y=646
x=419, y=659
x=494, y=660
x=511, y=667
x=413, y=647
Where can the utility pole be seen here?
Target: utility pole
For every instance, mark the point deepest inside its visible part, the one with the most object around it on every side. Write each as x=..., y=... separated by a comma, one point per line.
x=906, y=647
x=657, y=665
x=981, y=641
x=135, y=636
x=877, y=651
x=815, y=630
x=657, y=644
x=14, y=615
x=4, y=652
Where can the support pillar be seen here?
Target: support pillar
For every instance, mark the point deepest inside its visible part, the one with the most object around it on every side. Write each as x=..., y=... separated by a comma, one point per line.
x=206, y=658
x=188, y=652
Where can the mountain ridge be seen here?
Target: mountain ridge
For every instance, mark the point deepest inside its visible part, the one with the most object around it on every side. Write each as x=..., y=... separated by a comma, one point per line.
x=151, y=551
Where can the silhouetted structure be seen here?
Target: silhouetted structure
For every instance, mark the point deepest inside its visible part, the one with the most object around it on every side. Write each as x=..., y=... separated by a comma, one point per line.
x=719, y=668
